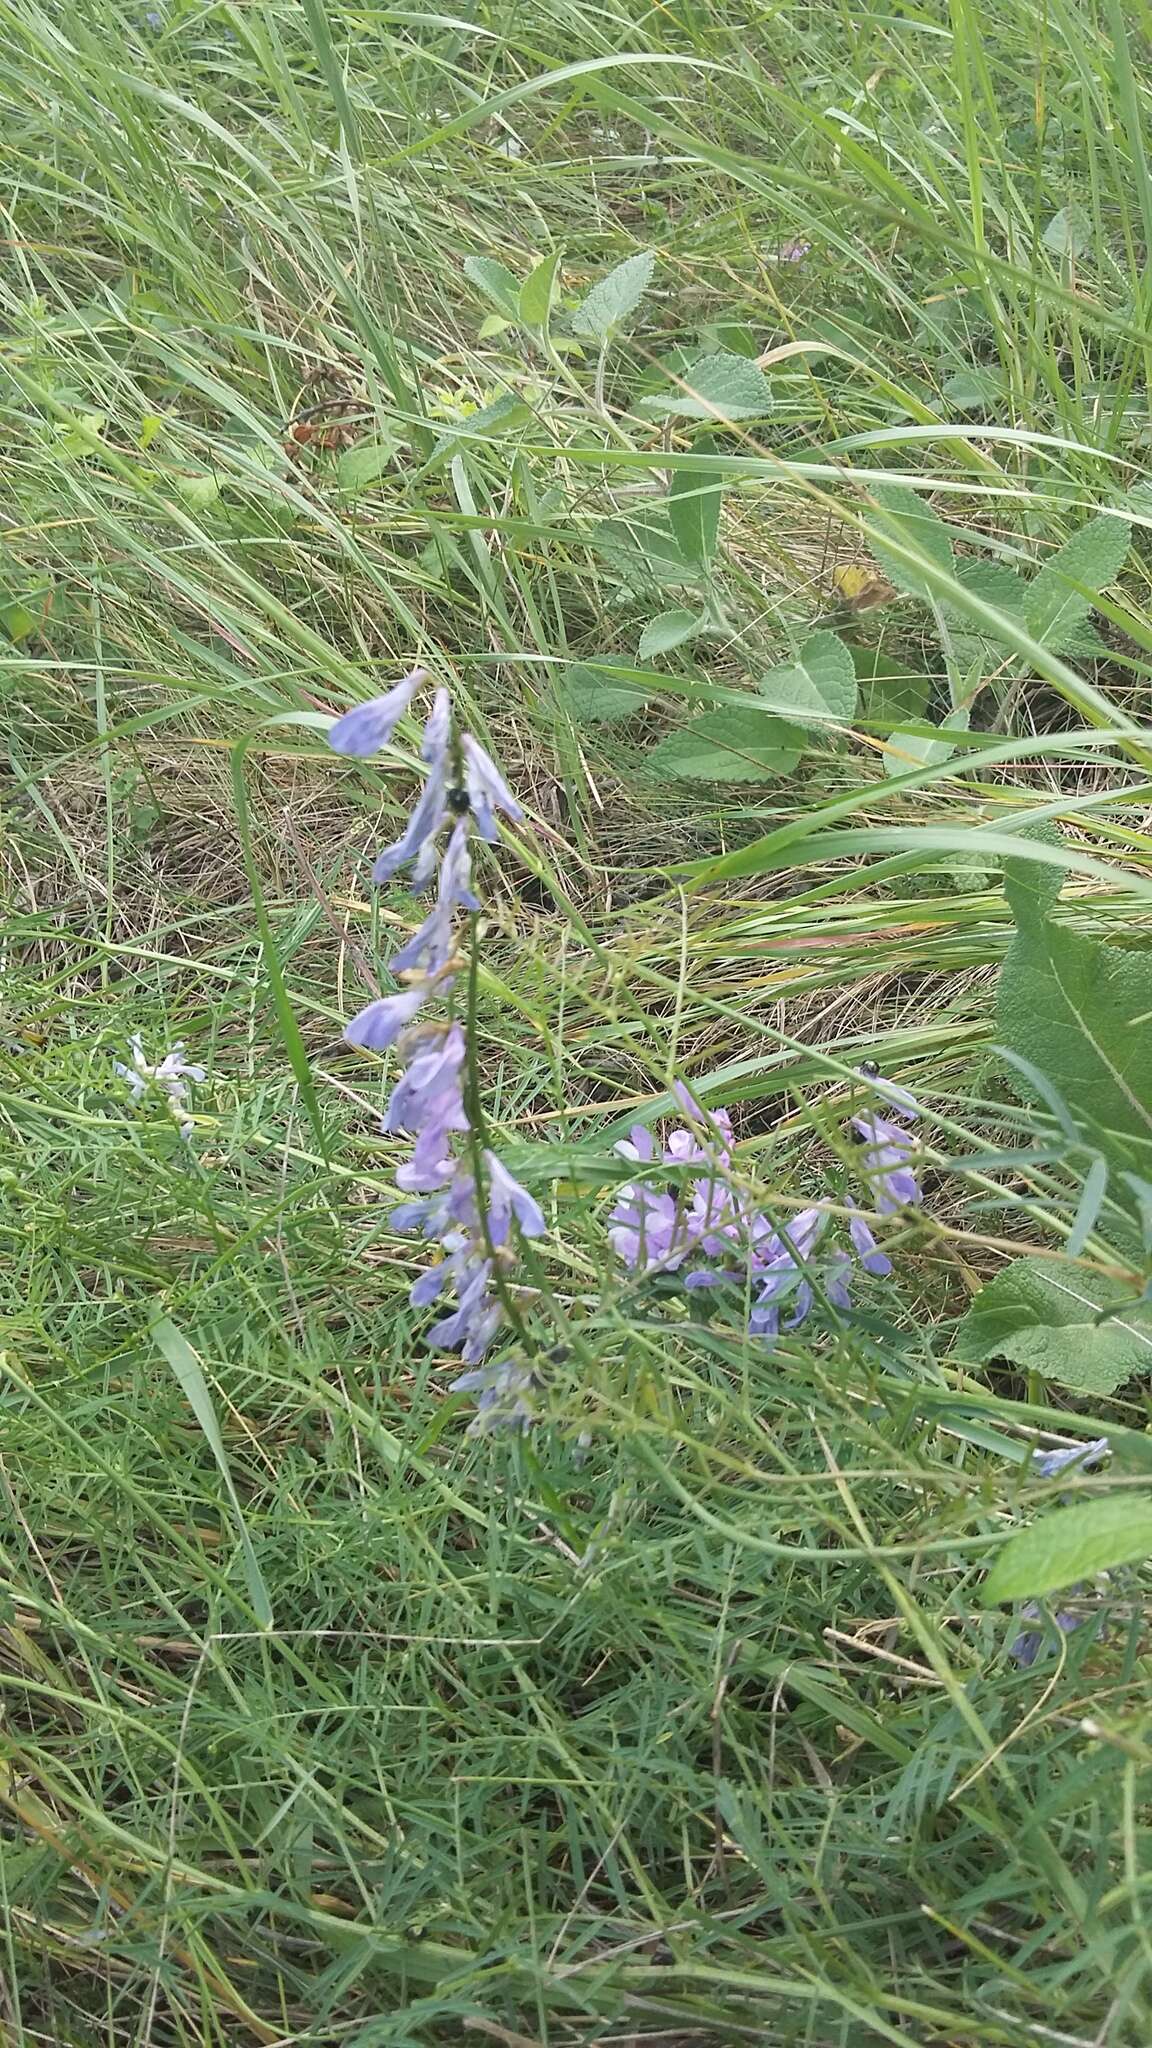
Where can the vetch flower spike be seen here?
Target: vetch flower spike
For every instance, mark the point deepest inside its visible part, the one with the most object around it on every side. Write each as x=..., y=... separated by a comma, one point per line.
x=656, y=1229
x=466, y=1201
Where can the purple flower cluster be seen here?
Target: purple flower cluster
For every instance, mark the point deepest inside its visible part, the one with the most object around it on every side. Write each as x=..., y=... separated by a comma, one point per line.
x=464, y=1199
x=709, y=1231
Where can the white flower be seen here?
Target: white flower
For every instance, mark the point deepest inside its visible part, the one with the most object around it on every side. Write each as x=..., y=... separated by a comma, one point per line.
x=170, y=1077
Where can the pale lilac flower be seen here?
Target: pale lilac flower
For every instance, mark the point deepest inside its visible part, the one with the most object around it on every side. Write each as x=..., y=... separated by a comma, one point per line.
x=716, y=1125
x=638, y=1145
x=417, y=842
x=837, y=1274
x=502, y=1392
x=1046, y=1464
x=379, y=1025
x=437, y=730
x=884, y=1163
x=435, y=1057
x=781, y=1274
x=430, y=1165
x=643, y=1227
x=368, y=727
x=169, y=1078
x=653, y=1230
x=793, y=251
x=471, y=1326
x=871, y=1257
x=1027, y=1646
x=508, y=1200
x=713, y=1235
x=899, y=1102
x=430, y=949
x=456, y=870
x=487, y=790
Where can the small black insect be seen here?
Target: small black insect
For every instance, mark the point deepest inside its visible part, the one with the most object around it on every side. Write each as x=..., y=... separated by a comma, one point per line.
x=871, y=1069
x=457, y=800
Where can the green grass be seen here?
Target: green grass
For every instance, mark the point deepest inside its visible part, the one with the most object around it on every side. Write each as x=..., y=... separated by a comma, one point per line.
x=681, y=1720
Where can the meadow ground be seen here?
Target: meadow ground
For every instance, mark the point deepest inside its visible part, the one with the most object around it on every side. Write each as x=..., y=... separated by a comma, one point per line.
x=798, y=576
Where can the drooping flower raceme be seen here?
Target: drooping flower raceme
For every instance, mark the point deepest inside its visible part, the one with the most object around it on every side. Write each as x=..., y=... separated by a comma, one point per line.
x=710, y=1232
x=168, y=1080
x=462, y=1197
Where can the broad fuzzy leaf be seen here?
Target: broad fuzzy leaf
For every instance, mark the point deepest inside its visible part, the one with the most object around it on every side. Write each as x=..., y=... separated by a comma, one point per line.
x=615, y=297
x=1074, y=1544
x=1044, y=1314
x=535, y=301
x=642, y=551
x=1093, y=558
x=890, y=692
x=820, y=685
x=976, y=390
x=670, y=630
x=720, y=387
x=497, y=283
x=361, y=467
x=694, y=508
x=1077, y=1009
x=1069, y=232
x=595, y=695
x=904, y=515
x=993, y=583
x=728, y=746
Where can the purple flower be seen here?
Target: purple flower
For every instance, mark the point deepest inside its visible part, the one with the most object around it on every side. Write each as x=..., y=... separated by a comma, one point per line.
x=507, y=1199
x=1046, y=1464
x=899, y=1102
x=456, y=871
x=380, y=1024
x=428, y=1103
x=793, y=251
x=870, y=1255
x=715, y=1124
x=785, y=1255
x=469, y=1223
x=437, y=730
x=430, y=949
x=653, y=1230
x=473, y=1323
x=417, y=842
x=837, y=1274
x=643, y=1228
x=487, y=790
x=368, y=727
x=502, y=1392
x=1027, y=1647
x=884, y=1163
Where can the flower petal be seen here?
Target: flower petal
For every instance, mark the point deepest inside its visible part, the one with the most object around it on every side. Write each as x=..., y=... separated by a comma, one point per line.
x=380, y=1024
x=368, y=727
